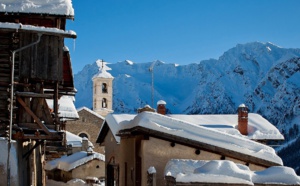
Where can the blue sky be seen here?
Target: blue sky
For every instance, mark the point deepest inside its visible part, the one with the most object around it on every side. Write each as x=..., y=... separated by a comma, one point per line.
x=177, y=31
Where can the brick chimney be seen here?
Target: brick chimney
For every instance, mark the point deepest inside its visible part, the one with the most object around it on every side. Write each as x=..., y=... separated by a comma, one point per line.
x=243, y=119
x=161, y=107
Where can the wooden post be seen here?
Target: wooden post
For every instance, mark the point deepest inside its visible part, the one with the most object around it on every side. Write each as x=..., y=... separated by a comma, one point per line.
x=55, y=106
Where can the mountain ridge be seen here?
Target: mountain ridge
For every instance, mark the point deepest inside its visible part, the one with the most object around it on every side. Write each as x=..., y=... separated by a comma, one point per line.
x=262, y=75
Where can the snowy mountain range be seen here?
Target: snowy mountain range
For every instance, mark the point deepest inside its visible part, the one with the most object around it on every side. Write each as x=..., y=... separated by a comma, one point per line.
x=263, y=76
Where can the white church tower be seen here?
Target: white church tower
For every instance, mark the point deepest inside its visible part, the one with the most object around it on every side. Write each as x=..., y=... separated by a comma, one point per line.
x=102, y=90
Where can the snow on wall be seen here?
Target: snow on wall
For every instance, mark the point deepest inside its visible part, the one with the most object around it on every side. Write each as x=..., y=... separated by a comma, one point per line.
x=224, y=171
x=54, y=7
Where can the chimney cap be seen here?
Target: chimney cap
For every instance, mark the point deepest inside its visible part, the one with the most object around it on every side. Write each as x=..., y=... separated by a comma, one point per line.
x=242, y=105
x=147, y=106
x=161, y=102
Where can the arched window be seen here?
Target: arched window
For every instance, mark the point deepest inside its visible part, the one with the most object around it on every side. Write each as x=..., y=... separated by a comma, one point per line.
x=104, y=88
x=104, y=103
x=83, y=135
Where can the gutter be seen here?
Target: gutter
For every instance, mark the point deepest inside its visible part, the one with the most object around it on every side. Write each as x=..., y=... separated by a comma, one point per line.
x=12, y=80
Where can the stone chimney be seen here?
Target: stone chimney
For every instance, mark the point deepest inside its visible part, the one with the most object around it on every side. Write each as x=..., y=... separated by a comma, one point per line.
x=243, y=119
x=146, y=108
x=85, y=144
x=161, y=107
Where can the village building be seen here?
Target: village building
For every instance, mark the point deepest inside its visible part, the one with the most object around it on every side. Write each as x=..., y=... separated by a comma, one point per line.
x=79, y=165
x=87, y=126
x=136, y=143
x=35, y=66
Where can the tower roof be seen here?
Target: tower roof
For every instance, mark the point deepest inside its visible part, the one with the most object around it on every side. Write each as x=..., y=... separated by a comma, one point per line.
x=102, y=73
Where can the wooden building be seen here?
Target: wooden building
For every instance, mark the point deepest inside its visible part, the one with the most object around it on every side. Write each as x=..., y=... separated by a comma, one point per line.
x=34, y=66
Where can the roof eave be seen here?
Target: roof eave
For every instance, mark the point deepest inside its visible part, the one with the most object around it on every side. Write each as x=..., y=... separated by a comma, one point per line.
x=44, y=32
x=6, y=13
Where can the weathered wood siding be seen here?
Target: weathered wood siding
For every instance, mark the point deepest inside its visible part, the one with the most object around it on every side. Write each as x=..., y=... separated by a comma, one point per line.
x=43, y=61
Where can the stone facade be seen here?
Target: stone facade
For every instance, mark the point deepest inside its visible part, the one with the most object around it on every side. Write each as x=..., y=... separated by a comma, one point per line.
x=102, y=95
x=88, y=126
x=93, y=168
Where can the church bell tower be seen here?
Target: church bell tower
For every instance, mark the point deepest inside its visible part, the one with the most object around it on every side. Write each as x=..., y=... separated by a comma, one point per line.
x=102, y=90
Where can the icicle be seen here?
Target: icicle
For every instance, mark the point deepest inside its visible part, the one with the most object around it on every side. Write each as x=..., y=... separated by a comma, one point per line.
x=74, y=44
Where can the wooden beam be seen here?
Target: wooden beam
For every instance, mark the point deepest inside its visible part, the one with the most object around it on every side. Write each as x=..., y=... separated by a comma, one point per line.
x=34, y=95
x=37, y=120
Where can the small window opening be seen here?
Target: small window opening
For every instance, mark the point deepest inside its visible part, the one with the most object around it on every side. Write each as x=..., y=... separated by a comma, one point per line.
x=104, y=88
x=104, y=103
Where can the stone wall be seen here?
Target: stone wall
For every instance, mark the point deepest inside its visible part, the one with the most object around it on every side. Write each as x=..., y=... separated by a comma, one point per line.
x=88, y=124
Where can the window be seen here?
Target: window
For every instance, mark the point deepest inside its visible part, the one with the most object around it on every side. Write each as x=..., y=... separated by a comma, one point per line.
x=104, y=88
x=104, y=103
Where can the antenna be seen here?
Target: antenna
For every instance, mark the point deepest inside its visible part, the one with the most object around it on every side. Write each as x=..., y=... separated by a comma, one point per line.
x=102, y=63
x=152, y=88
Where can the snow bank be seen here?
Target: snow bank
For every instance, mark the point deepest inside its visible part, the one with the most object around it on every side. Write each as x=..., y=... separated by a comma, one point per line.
x=54, y=7
x=224, y=171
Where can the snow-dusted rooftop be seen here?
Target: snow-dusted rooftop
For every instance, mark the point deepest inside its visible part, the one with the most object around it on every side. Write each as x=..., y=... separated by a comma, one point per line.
x=184, y=129
x=224, y=171
x=52, y=7
x=70, y=162
x=66, y=108
x=76, y=141
x=258, y=127
x=188, y=128
x=38, y=29
x=90, y=111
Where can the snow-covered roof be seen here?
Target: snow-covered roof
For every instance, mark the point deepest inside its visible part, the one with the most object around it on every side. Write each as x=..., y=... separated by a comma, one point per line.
x=102, y=73
x=184, y=129
x=38, y=29
x=90, y=111
x=76, y=141
x=224, y=171
x=258, y=127
x=114, y=120
x=72, y=161
x=66, y=108
x=52, y=7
